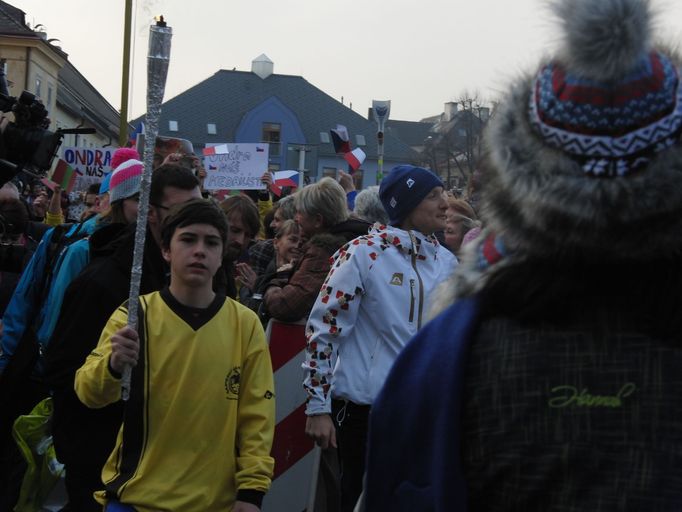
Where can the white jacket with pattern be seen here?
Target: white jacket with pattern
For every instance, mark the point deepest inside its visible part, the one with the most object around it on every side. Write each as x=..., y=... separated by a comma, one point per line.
x=372, y=302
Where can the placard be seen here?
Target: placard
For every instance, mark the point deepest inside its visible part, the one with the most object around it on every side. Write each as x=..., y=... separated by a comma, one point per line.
x=90, y=164
x=235, y=166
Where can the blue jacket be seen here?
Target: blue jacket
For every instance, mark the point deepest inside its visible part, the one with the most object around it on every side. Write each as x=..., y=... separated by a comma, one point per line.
x=28, y=306
x=416, y=415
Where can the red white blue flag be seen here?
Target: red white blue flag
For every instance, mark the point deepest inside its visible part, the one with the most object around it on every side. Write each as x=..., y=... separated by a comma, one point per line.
x=341, y=139
x=220, y=149
x=355, y=158
x=283, y=179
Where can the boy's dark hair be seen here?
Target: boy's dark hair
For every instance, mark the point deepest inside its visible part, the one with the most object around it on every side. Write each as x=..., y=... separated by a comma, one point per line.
x=93, y=189
x=248, y=211
x=170, y=175
x=194, y=211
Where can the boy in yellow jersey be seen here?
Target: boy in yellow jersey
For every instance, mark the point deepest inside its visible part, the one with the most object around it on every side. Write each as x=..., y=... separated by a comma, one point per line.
x=198, y=427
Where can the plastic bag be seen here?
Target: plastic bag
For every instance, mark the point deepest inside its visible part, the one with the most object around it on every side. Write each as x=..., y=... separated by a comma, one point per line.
x=32, y=435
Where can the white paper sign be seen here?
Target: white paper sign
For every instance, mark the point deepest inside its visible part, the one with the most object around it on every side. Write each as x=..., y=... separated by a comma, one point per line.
x=91, y=164
x=240, y=168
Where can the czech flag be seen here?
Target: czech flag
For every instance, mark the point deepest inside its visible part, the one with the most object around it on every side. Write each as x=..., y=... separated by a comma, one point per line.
x=341, y=139
x=220, y=149
x=355, y=158
x=283, y=179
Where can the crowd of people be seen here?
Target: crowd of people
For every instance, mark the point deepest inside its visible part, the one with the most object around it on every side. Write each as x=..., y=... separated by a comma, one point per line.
x=520, y=352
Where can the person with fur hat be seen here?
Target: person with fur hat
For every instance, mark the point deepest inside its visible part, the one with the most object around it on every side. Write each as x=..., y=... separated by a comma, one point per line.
x=372, y=302
x=552, y=382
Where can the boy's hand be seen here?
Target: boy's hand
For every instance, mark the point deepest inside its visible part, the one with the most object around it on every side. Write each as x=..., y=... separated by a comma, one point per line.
x=242, y=506
x=346, y=181
x=125, y=348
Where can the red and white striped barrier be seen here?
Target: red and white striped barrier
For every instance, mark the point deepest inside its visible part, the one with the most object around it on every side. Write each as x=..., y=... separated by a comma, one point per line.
x=296, y=460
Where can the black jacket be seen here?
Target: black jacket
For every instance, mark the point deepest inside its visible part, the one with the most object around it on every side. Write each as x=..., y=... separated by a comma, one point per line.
x=85, y=437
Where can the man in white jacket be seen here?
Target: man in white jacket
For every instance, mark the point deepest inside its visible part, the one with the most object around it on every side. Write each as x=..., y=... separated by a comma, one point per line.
x=370, y=305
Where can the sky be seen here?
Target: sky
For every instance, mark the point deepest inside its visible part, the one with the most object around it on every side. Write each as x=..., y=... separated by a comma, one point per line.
x=419, y=55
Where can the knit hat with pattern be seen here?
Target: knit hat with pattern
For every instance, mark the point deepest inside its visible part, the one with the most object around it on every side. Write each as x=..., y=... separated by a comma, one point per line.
x=583, y=157
x=125, y=180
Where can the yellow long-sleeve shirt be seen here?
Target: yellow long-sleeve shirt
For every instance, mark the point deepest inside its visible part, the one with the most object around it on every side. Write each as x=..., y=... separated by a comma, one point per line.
x=199, y=424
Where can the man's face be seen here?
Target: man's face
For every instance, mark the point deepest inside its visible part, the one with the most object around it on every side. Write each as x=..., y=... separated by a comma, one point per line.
x=91, y=204
x=194, y=255
x=238, y=238
x=171, y=197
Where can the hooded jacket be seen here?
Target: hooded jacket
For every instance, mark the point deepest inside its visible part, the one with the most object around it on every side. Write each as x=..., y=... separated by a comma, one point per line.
x=370, y=305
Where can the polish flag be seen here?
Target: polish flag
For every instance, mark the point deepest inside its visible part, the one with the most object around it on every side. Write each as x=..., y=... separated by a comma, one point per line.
x=355, y=158
x=220, y=149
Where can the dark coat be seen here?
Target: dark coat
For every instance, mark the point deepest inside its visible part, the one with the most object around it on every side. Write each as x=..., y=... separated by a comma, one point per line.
x=84, y=437
x=293, y=299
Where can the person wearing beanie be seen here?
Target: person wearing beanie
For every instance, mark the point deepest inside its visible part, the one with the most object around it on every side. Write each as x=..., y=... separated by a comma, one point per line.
x=373, y=301
x=550, y=378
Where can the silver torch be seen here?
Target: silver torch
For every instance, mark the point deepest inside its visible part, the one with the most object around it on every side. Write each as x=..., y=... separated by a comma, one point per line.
x=157, y=71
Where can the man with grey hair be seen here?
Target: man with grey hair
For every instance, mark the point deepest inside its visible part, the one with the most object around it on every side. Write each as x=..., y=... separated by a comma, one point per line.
x=368, y=206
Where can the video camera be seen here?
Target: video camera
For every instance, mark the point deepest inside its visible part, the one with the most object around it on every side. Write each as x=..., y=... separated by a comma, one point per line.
x=26, y=144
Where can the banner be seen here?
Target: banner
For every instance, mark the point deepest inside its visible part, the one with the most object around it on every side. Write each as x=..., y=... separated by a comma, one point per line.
x=90, y=164
x=235, y=166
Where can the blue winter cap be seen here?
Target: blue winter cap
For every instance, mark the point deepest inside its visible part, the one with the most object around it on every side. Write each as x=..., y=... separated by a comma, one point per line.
x=404, y=188
x=104, y=186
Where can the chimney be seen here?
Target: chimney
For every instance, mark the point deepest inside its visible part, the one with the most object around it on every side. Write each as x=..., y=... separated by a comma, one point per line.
x=262, y=66
x=370, y=114
x=450, y=111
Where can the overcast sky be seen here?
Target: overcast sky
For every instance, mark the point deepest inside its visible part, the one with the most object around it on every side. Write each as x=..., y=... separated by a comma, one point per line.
x=417, y=54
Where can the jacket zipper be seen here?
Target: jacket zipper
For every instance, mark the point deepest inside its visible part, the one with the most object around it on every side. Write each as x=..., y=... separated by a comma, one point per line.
x=419, y=278
x=411, y=300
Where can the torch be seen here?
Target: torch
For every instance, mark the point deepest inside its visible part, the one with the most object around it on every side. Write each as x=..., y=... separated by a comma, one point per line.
x=157, y=71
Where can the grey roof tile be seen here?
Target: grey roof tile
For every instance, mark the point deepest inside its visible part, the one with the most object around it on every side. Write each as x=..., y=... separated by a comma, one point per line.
x=227, y=96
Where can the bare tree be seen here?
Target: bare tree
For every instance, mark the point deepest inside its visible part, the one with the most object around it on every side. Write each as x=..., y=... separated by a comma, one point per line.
x=455, y=146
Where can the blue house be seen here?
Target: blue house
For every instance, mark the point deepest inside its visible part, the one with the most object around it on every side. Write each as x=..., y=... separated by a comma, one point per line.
x=287, y=112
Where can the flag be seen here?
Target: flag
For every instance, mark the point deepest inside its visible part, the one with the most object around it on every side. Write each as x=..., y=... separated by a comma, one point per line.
x=341, y=139
x=220, y=149
x=283, y=179
x=355, y=158
x=139, y=130
x=64, y=175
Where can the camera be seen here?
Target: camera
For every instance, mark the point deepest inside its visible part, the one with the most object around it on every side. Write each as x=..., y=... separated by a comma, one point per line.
x=26, y=144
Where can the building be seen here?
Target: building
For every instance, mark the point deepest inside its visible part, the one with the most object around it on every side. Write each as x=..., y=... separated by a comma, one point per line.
x=38, y=65
x=452, y=147
x=287, y=112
